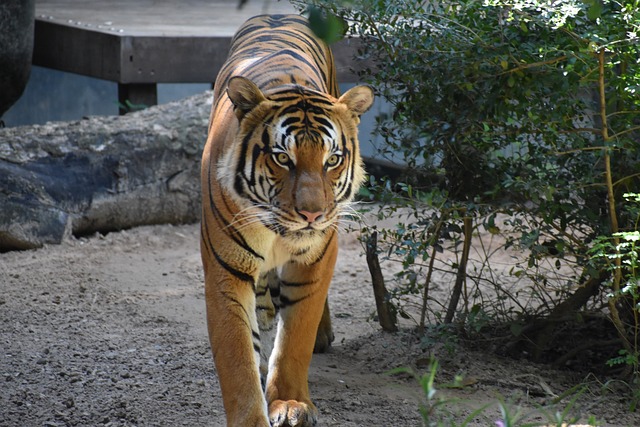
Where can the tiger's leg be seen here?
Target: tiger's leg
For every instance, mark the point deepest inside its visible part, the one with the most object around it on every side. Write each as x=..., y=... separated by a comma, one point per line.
x=234, y=336
x=325, y=336
x=267, y=312
x=303, y=292
x=267, y=291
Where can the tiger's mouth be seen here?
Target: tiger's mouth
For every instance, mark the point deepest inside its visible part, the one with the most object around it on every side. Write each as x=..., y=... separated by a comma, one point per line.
x=299, y=230
x=284, y=224
x=304, y=230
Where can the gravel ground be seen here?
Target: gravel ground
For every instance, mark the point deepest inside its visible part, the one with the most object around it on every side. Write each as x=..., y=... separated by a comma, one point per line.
x=110, y=331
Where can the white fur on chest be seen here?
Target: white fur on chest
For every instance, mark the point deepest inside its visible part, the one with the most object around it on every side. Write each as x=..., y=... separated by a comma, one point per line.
x=282, y=250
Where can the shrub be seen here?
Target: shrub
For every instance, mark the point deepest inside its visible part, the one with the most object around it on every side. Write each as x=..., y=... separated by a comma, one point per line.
x=520, y=118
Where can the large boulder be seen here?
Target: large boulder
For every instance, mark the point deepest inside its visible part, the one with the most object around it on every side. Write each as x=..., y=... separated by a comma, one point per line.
x=101, y=173
x=16, y=49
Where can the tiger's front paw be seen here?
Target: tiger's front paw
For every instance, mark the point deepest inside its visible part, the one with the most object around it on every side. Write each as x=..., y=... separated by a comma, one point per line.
x=292, y=413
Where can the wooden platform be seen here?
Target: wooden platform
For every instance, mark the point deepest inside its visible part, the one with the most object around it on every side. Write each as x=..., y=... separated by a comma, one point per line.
x=139, y=43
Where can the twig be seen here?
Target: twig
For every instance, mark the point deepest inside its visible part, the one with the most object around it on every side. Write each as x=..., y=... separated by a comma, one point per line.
x=427, y=282
x=613, y=218
x=533, y=65
x=386, y=315
x=462, y=270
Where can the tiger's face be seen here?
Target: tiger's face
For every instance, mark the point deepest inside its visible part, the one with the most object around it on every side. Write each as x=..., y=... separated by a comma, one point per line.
x=296, y=163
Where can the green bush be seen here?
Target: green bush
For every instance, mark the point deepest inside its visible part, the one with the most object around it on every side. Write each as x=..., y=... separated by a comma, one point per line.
x=519, y=119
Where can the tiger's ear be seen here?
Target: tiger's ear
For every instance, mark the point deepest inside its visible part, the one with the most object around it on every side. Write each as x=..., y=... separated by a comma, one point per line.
x=359, y=99
x=244, y=94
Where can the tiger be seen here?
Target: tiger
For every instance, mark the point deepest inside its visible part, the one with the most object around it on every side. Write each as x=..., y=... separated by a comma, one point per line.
x=280, y=165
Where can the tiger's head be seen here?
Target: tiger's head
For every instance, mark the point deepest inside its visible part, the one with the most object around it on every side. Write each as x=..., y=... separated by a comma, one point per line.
x=295, y=162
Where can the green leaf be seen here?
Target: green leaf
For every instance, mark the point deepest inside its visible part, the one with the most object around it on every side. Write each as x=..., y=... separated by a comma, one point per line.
x=595, y=10
x=523, y=27
x=516, y=329
x=328, y=27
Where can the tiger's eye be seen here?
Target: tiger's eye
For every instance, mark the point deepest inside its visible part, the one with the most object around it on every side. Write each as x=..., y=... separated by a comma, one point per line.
x=333, y=160
x=281, y=158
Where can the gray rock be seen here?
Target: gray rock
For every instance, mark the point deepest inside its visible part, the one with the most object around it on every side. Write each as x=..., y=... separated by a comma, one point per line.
x=102, y=173
x=16, y=48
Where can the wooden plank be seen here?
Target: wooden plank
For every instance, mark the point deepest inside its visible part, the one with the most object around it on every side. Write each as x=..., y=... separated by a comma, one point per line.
x=75, y=50
x=149, y=41
x=157, y=18
x=172, y=59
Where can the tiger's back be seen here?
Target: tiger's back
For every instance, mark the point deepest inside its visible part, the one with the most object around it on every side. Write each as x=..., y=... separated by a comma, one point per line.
x=272, y=50
x=281, y=163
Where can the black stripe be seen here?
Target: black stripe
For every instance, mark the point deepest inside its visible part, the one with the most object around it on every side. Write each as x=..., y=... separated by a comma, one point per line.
x=256, y=345
x=224, y=224
x=241, y=164
x=318, y=100
x=276, y=96
x=266, y=140
x=346, y=193
x=286, y=302
x=290, y=120
x=326, y=247
x=255, y=154
x=296, y=284
x=241, y=275
x=324, y=122
x=301, y=252
x=319, y=74
x=204, y=235
x=236, y=302
x=275, y=291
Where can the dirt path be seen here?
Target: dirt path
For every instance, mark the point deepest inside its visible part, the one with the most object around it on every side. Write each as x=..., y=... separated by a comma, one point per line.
x=110, y=331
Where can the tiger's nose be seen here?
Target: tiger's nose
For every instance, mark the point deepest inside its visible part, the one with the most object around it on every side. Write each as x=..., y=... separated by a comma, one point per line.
x=310, y=217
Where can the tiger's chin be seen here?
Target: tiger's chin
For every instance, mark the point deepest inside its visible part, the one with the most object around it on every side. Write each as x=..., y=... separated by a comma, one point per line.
x=305, y=233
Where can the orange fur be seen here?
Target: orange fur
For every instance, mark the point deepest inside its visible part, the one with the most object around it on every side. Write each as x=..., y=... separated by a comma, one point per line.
x=280, y=163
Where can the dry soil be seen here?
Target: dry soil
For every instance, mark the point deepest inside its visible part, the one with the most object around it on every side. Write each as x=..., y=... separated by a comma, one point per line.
x=110, y=331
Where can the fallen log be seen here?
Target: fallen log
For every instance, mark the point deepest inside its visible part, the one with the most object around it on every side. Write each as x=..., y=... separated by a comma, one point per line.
x=101, y=174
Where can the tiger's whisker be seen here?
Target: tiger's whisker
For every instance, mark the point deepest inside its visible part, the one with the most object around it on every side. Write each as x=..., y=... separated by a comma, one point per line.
x=245, y=213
